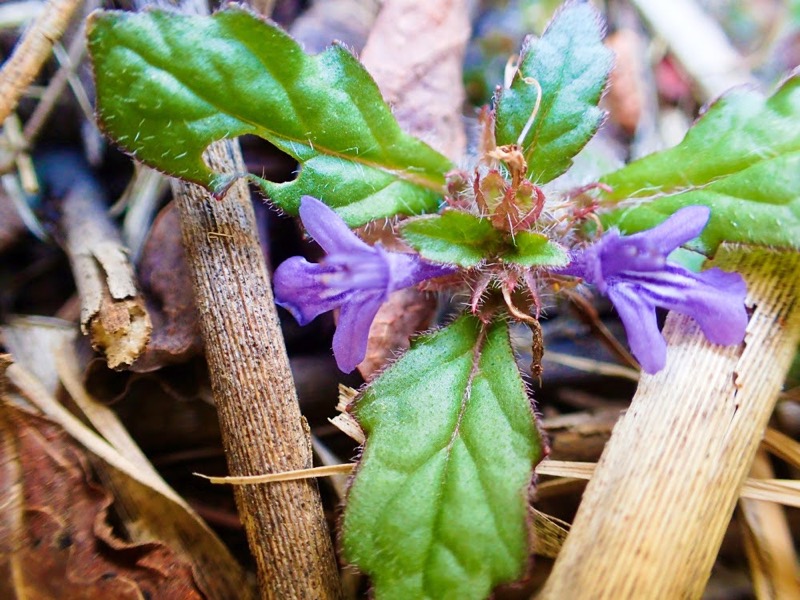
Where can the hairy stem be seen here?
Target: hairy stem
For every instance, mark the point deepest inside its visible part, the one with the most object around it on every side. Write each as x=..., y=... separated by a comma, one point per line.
x=262, y=428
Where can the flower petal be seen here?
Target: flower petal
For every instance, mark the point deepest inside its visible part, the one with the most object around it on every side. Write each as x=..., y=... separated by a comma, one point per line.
x=684, y=225
x=586, y=264
x=406, y=270
x=639, y=318
x=328, y=229
x=352, y=330
x=713, y=298
x=300, y=289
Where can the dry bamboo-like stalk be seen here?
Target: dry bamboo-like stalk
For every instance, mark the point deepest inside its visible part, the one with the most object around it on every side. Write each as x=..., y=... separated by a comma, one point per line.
x=5, y=361
x=768, y=542
x=262, y=428
x=112, y=311
x=32, y=51
x=653, y=516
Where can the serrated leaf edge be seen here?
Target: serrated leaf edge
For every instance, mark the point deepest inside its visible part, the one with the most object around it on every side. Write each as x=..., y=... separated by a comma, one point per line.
x=220, y=182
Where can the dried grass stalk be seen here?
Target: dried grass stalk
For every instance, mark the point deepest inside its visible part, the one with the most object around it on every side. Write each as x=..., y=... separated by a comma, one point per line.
x=654, y=514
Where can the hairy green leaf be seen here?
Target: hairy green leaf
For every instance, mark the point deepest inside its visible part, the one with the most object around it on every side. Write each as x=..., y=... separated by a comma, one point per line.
x=571, y=65
x=168, y=85
x=462, y=239
x=438, y=508
x=535, y=249
x=454, y=237
x=741, y=158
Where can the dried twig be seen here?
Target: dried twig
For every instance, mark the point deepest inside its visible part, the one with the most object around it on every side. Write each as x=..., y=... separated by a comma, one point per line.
x=112, y=311
x=32, y=51
x=699, y=44
x=652, y=519
x=260, y=419
x=55, y=88
x=781, y=491
x=768, y=542
x=590, y=365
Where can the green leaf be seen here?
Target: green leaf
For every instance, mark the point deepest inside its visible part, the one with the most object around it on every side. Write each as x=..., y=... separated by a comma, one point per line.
x=454, y=237
x=536, y=250
x=438, y=508
x=688, y=259
x=462, y=239
x=571, y=65
x=168, y=85
x=741, y=158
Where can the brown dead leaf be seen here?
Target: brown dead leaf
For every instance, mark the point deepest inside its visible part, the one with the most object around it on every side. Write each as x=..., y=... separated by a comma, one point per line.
x=11, y=225
x=415, y=52
x=169, y=296
x=147, y=511
x=407, y=311
x=625, y=96
x=325, y=21
x=55, y=540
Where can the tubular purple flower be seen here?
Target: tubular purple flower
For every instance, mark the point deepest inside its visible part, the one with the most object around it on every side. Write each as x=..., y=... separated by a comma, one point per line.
x=633, y=271
x=354, y=276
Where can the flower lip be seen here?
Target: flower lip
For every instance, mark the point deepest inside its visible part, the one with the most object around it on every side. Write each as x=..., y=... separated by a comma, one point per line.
x=634, y=272
x=355, y=277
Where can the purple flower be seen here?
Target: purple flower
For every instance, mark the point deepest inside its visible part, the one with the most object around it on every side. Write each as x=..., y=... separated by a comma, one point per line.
x=354, y=276
x=634, y=273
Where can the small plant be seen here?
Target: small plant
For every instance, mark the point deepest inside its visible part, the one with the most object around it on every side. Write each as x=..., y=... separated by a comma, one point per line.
x=439, y=503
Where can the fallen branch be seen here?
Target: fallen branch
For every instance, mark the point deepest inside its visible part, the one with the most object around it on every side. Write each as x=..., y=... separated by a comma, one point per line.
x=112, y=311
x=262, y=428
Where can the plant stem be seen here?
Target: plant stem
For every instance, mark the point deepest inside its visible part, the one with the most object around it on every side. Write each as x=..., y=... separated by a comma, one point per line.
x=260, y=421
x=262, y=428
x=653, y=516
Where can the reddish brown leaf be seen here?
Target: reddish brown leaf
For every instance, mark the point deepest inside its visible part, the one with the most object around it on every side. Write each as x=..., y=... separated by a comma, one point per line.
x=55, y=538
x=11, y=226
x=406, y=312
x=169, y=295
x=625, y=97
x=415, y=53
